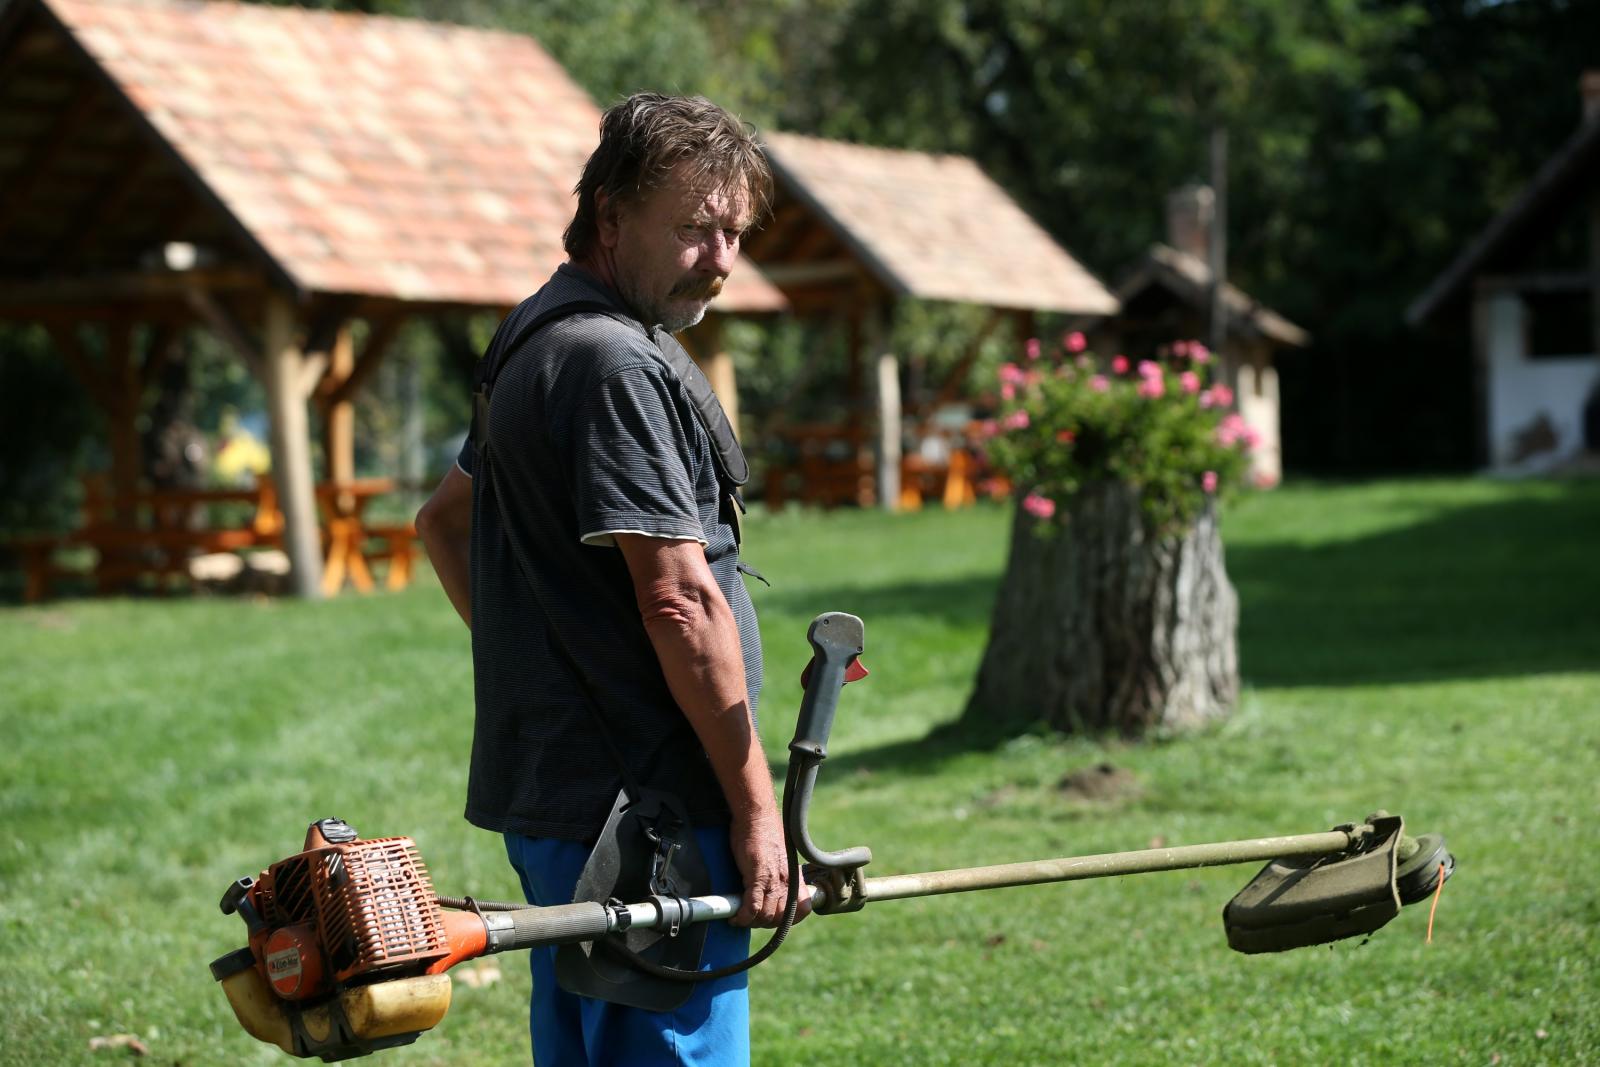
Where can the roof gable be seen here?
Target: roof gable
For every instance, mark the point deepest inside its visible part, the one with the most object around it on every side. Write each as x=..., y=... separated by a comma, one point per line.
x=1188, y=278
x=1573, y=172
x=935, y=226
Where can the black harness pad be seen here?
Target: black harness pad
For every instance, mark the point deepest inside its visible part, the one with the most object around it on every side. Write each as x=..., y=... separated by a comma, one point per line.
x=621, y=868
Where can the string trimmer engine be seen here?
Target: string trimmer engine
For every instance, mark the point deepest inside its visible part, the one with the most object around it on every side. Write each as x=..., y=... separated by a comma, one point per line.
x=331, y=930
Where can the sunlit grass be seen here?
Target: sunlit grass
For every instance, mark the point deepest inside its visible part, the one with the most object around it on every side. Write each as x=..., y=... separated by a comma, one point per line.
x=1428, y=647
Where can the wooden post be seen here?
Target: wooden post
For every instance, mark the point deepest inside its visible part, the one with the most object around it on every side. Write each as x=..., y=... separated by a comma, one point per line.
x=122, y=416
x=717, y=365
x=339, y=415
x=889, y=421
x=291, y=446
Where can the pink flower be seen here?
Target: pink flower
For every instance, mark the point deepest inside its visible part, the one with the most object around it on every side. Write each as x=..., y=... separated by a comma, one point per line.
x=1190, y=381
x=1265, y=480
x=1099, y=383
x=1153, y=388
x=1065, y=437
x=1032, y=348
x=1008, y=392
x=1233, y=429
x=1075, y=341
x=1017, y=420
x=1180, y=348
x=1208, y=481
x=987, y=428
x=1199, y=353
x=1149, y=369
x=1040, y=507
x=1220, y=396
x=1012, y=374
x=1119, y=364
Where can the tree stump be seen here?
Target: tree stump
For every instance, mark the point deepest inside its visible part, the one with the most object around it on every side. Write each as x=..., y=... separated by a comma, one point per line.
x=1101, y=626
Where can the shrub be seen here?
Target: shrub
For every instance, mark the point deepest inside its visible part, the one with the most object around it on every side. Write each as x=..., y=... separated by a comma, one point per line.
x=1067, y=422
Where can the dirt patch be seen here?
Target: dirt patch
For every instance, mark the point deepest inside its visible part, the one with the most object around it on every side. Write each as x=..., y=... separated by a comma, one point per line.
x=1100, y=784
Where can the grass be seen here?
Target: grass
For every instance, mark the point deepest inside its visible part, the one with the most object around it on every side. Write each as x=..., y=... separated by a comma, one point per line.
x=1431, y=647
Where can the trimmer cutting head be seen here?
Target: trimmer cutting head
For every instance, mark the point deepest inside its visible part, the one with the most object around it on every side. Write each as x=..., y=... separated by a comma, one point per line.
x=1313, y=900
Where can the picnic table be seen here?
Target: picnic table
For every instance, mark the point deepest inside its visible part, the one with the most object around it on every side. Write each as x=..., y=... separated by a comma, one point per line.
x=157, y=533
x=348, y=537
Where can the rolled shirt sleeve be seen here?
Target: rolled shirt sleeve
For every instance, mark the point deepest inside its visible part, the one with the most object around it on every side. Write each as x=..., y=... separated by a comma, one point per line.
x=627, y=458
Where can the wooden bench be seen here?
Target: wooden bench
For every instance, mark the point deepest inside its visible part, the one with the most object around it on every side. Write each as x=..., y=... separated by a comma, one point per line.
x=150, y=534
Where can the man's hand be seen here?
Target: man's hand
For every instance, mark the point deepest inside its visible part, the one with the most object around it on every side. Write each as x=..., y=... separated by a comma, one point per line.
x=764, y=863
x=697, y=641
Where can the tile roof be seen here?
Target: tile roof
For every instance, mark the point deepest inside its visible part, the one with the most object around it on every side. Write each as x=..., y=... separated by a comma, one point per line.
x=935, y=226
x=367, y=154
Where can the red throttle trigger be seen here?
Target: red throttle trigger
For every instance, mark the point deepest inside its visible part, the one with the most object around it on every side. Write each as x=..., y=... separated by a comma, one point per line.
x=853, y=672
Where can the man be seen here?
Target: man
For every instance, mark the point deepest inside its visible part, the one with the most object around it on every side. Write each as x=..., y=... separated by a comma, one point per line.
x=604, y=545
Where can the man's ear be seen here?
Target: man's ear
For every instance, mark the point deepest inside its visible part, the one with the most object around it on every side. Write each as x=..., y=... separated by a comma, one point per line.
x=607, y=218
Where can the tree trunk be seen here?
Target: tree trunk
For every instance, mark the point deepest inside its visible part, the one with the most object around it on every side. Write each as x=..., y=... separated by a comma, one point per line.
x=1100, y=627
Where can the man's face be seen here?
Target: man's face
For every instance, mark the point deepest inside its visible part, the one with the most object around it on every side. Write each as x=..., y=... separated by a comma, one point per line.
x=672, y=250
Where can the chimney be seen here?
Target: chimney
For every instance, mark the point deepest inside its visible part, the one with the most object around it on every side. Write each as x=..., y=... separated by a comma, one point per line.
x=1189, y=214
x=1589, y=89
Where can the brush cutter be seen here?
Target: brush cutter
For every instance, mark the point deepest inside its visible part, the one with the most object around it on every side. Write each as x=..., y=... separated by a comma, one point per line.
x=349, y=945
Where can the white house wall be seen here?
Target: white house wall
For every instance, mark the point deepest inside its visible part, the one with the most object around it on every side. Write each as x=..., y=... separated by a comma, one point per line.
x=1522, y=390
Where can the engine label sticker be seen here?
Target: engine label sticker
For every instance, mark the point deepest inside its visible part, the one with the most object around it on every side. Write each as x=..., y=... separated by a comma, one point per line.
x=284, y=966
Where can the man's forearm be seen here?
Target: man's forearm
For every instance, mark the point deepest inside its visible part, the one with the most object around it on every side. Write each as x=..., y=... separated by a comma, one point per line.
x=445, y=525
x=451, y=559
x=697, y=641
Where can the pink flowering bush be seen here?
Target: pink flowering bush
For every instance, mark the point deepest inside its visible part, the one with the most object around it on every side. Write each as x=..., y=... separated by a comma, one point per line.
x=1154, y=425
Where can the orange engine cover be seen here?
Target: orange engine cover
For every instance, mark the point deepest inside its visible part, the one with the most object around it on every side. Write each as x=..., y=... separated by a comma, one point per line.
x=340, y=910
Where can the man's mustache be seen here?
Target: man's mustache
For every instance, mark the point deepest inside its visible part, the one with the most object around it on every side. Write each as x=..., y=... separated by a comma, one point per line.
x=695, y=289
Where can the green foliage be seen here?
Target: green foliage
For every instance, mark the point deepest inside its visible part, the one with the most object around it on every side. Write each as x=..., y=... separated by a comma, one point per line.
x=50, y=430
x=1067, y=424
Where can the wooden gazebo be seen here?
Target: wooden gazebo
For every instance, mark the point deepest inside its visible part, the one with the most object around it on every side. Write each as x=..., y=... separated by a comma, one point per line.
x=274, y=175
x=857, y=228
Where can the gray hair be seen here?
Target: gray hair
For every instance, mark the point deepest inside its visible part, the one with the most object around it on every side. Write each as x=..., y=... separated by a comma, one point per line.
x=649, y=137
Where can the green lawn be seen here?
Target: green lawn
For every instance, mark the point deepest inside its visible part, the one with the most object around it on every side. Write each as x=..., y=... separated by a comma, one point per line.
x=1431, y=647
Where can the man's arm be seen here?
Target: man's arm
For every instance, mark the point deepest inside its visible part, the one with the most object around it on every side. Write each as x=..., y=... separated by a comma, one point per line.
x=445, y=525
x=697, y=641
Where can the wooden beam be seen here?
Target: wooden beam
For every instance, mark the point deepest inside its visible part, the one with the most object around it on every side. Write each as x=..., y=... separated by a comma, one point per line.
x=958, y=374
x=126, y=393
x=291, y=447
x=339, y=419
x=313, y=366
x=14, y=196
x=889, y=415
x=223, y=323
x=128, y=287
x=379, y=338
x=716, y=364
x=158, y=352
